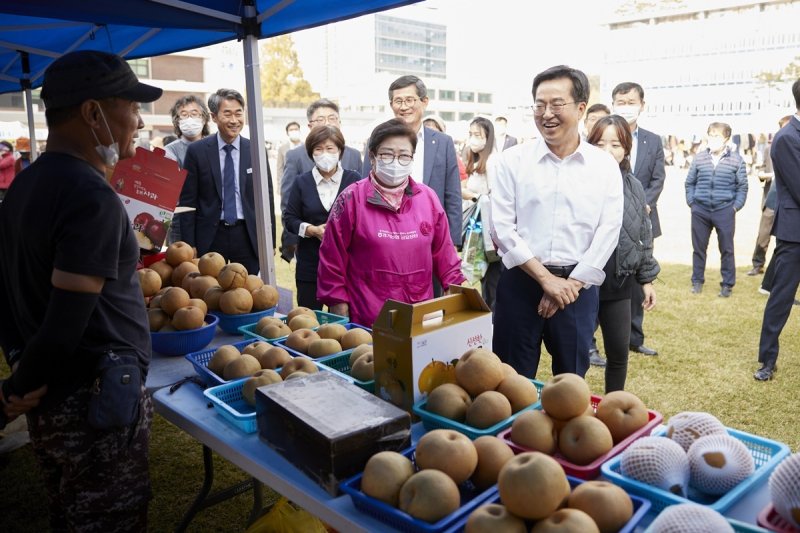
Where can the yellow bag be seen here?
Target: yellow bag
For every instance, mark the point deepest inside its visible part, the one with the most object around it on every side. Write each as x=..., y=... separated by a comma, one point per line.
x=284, y=517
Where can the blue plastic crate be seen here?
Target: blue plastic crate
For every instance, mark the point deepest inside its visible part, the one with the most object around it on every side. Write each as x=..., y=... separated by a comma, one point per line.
x=340, y=364
x=249, y=330
x=348, y=326
x=640, y=508
x=471, y=498
x=232, y=323
x=766, y=455
x=433, y=421
x=182, y=342
x=229, y=402
x=200, y=362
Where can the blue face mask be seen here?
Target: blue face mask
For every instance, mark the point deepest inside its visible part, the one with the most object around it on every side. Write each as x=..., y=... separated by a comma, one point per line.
x=109, y=154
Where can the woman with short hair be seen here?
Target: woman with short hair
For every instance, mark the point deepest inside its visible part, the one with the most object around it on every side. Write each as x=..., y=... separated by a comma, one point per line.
x=310, y=201
x=387, y=235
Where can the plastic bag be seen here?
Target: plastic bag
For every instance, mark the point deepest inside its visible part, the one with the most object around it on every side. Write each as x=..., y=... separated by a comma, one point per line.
x=473, y=260
x=284, y=517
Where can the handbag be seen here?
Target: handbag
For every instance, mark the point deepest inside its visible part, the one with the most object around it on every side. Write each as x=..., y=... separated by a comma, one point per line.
x=116, y=392
x=468, y=215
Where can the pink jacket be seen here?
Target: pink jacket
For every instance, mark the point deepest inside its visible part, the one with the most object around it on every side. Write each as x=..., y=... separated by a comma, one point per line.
x=370, y=253
x=6, y=170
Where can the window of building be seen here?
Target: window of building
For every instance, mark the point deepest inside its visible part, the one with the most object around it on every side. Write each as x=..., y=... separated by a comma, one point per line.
x=466, y=116
x=448, y=116
x=140, y=67
x=449, y=96
x=484, y=98
x=466, y=96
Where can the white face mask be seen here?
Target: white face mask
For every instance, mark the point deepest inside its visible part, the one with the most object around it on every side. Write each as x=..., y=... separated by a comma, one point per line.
x=326, y=162
x=109, y=154
x=477, y=144
x=629, y=112
x=392, y=174
x=294, y=135
x=715, y=144
x=190, y=127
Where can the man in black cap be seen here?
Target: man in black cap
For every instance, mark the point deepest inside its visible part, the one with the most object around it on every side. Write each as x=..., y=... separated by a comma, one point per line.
x=72, y=301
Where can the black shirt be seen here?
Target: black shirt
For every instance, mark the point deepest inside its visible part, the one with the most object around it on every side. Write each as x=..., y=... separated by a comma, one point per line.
x=61, y=213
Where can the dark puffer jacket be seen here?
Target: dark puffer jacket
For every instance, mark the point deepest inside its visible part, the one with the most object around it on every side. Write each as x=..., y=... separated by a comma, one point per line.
x=635, y=249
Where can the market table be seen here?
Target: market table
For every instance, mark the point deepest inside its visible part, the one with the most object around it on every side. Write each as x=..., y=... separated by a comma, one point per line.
x=188, y=409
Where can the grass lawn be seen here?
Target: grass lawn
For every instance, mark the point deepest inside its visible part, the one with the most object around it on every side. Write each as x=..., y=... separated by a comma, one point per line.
x=707, y=355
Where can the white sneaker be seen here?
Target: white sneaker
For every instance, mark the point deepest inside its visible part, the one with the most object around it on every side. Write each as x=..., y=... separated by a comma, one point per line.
x=763, y=291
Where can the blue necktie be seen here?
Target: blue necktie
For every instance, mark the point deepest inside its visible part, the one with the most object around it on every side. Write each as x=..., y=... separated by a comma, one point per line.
x=229, y=187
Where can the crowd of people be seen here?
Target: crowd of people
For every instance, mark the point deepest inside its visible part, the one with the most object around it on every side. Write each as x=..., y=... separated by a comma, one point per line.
x=571, y=222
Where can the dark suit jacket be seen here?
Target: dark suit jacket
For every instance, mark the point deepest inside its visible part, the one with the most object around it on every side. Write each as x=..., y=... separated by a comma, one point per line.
x=785, y=154
x=297, y=164
x=649, y=169
x=509, y=142
x=440, y=173
x=203, y=191
x=305, y=206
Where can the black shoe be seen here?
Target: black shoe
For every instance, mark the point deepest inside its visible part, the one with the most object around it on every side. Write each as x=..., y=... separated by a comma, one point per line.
x=756, y=271
x=766, y=372
x=644, y=350
x=725, y=291
x=796, y=302
x=595, y=359
x=697, y=288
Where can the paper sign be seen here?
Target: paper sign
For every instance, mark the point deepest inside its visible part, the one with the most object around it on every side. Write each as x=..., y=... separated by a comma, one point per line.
x=149, y=185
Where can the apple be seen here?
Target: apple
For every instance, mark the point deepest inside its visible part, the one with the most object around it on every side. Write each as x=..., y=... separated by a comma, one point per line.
x=156, y=231
x=141, y=221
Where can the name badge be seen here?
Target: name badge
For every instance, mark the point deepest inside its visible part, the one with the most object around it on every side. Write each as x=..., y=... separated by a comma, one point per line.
x=249, y=170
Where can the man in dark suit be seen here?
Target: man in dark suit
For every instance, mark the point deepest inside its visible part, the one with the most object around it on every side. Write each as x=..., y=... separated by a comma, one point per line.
x=435, y=159
x=319, y=113
x=785, y=154
x=502, y=140
x=647, y=164
x=219, y=185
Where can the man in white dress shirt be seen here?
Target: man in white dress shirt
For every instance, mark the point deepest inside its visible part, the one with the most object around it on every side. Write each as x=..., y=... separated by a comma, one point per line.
x=557, y=212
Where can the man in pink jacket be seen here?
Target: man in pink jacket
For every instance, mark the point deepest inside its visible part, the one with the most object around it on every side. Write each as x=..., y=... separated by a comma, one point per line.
x=386, y=236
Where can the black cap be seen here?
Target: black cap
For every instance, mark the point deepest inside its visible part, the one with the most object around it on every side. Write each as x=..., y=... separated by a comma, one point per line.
x=78, y=76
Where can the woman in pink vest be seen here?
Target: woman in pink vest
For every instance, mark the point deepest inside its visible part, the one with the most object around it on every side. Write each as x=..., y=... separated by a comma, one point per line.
x=387, y=235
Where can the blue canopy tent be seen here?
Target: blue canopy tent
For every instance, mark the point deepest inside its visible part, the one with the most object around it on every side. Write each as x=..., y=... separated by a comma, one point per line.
x=33, y=33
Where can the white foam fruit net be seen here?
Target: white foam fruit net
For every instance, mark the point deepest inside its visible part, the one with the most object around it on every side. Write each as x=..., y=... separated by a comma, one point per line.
x=784, y=489
x=718, y=463
x=690, y=518
x=657, y=461
x=688, y=426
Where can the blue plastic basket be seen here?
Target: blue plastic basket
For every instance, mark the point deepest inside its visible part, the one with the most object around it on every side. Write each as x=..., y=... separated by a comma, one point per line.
x=232, y=323
x=340, y=364
x=433, y=421
x=229, y=402
x=249, y=330
x=201, y=358
x=640, y=508
x=471, y=498
x=182, y=342
x=766, y=455
x=349, y=326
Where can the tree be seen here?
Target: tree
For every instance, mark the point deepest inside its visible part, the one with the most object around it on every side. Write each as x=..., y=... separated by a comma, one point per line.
x=777, y=79
x=282, y=82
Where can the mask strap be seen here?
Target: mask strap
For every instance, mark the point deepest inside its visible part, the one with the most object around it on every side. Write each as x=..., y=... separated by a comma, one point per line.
x=108, y=129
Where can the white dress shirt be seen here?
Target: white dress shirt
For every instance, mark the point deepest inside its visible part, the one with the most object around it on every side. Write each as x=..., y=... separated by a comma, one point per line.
x=235, y=154
x=419, y=157
x=561, y=212
x=634, y=149
x=327, y=189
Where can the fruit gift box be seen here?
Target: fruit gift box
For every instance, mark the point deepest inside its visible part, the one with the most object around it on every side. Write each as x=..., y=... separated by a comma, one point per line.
x=670, y=479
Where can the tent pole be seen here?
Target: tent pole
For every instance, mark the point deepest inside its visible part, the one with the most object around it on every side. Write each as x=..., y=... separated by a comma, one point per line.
x=26, y=85
x=258, y=152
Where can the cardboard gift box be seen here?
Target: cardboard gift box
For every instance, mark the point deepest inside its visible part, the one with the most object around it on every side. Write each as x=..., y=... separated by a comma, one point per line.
x=328, y=427
x=149, y=186
x=413, y=341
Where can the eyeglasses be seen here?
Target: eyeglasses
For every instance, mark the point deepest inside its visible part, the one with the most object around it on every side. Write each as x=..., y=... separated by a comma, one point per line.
x=409, y=101
x=387, y=158
x=333, y=120
x=190, y=114
x=557, y=108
